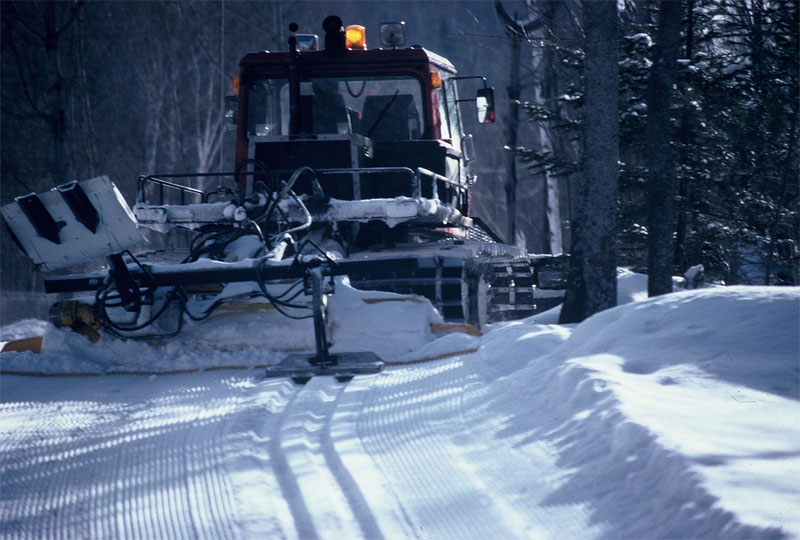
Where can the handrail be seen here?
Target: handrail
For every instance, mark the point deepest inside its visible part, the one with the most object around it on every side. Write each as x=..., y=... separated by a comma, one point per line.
x=436, y=178
x=415, y=181
x=415, y=177
x=158, y=179
x=144, y=180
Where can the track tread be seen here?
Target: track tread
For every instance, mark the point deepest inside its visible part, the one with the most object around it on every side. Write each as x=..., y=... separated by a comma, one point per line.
x=511, y=291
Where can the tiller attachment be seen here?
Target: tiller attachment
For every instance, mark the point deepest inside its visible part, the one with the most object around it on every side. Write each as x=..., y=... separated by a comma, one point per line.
x=78, y=222
x=317, y=274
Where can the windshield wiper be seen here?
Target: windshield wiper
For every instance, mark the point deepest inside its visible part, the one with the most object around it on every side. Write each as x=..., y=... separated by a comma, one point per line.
x=382, y=114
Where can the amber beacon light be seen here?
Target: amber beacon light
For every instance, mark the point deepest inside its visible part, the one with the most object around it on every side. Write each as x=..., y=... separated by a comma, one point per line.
x=356, y=37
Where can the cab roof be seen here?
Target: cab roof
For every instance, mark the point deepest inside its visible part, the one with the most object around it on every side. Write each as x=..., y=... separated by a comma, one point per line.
x=415, y=57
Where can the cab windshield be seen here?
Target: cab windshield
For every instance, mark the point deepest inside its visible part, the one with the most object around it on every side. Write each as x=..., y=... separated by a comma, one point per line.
x=382, y=108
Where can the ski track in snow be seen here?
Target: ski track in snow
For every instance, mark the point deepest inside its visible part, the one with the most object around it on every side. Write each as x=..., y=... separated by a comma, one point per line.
x=215, y=455
x=325, y=498
x=406, y=429
x=116, y=465
x=616, y=432
x=460, y=447
x=420, y=426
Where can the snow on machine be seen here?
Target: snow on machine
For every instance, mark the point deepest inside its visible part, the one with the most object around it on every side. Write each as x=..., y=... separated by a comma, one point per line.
x=349, y=162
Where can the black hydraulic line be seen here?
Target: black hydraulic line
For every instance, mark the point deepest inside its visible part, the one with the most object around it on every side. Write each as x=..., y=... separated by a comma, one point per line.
x=277, y=302
x=259, y=168
x=291, y=290
x=120, y=327
x=287, y=188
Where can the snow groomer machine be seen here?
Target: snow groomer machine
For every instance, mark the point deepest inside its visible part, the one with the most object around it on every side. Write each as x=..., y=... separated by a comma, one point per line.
x=349, y=162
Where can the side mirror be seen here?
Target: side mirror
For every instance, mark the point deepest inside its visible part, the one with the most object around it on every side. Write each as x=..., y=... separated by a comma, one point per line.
x=485, y=105
x=231, y=108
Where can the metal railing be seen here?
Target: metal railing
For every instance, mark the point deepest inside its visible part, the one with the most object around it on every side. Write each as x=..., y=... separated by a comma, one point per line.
x=161, y=185
x=418, y=180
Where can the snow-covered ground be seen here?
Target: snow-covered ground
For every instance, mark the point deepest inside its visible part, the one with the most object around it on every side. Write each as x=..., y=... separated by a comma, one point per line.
x=674, y=417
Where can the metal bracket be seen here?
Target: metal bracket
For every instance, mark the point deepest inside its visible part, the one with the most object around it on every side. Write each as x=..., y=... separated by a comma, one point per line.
x=343, y=366
x=126, y=285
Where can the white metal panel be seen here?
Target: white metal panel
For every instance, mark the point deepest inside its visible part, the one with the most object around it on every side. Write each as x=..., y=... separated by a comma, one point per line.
x=117, y=230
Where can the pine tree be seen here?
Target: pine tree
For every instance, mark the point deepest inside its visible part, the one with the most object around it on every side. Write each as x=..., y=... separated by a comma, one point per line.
x=592, y=283
x=660, y=166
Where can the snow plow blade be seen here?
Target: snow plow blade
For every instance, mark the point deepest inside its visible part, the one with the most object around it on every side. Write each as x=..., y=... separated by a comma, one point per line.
x=301, y=367
x=32, y=344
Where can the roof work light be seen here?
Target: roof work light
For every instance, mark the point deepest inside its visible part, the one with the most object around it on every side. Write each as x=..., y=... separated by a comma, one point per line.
x=356, y=37
x=393, y=34
x=307, y=42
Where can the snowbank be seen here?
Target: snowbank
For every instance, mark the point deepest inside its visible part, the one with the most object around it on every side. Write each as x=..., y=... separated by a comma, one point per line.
x=677, y=416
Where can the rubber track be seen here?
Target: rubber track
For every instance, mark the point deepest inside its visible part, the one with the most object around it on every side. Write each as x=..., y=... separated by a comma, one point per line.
x=511, y=295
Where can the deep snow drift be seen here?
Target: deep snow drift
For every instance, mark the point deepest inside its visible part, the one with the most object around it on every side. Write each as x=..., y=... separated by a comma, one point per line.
x=673, y=417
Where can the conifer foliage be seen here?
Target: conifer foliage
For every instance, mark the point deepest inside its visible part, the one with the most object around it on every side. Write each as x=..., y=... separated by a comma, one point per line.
x=733, y=135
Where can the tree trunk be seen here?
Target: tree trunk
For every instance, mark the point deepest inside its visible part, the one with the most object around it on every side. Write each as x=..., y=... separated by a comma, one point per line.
x=661, y=169
x=593, y=264
x=512, y=127
x=680, y=260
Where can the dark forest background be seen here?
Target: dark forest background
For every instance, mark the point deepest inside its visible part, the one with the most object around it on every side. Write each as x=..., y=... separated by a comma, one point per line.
x=124, y=88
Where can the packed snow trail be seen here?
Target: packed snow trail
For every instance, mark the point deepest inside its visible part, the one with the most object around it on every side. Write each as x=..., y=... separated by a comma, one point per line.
x=223, y=454
x=432, y=421
x=675, y=417
x=115, y=457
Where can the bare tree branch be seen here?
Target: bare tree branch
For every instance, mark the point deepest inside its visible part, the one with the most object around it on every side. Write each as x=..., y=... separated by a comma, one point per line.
x=24, y=81
x=30, y=116
x=21, y=19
